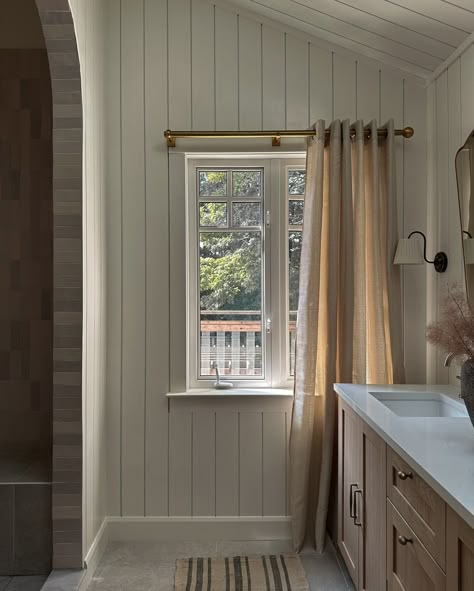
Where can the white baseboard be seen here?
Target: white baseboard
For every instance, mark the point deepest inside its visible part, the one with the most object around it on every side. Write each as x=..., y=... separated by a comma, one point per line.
x=198, y=528
x=94, y=554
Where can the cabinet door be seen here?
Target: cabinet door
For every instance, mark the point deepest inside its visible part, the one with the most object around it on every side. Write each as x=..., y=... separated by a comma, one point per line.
x=409, y=565
x=372, y=550
x=460, y=553
x=348, y=482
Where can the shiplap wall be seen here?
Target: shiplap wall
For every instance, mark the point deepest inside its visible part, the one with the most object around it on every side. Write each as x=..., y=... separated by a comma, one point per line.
x=189, y=64
x=89, y=22
x=451, y=118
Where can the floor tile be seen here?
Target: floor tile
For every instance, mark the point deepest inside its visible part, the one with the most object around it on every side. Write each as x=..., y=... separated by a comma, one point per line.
x=150, y=554
x=64, y=580
x=149, y=566
x=323, y=572
x=30, y=583
x=249, y=548
x=4, y=582
x=125, y=578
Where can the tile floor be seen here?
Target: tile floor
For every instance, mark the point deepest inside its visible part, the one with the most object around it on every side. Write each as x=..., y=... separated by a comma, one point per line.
x=31, y=583
x=149, y=566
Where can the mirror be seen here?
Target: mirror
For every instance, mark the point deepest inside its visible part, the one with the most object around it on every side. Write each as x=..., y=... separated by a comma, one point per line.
x=465, y=182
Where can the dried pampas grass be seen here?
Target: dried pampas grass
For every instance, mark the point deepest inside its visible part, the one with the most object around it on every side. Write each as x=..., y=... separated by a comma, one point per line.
x=454, y=332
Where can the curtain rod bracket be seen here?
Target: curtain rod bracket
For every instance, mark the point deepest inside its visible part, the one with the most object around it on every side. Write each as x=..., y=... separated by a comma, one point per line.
x=276, y=141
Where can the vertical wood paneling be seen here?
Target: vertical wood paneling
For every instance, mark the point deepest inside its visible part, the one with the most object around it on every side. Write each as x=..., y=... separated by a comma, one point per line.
x=414, y=214
x=368, y=92
x=344, y=84
x=320, y=91
x=114, y=259
x=133, y=247
x=226, y=67
x=297, y=83
x=177, y=276
x=250, y=74
x=274, y=463
x=179, y=64
x=203, y=105
x=251, y=463
x=157, y=260
x=273, y=60
x=467, y=86
x=180, y=472
x=204, y=463
x=452, y=225
x=391, y=107
x=227, y=464
x=442, y=172
x=451, y=119
x=222, y=70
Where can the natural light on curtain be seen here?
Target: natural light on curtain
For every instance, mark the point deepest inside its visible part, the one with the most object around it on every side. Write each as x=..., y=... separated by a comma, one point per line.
x=349, y=313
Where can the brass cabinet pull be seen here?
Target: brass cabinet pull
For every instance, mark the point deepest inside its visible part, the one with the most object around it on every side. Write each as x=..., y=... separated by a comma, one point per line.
x=357, y=516
x=351, y=501
x=404, y=475
x=404, y=541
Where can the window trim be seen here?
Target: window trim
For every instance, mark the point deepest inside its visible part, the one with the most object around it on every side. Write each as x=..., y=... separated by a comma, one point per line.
x=276, y=259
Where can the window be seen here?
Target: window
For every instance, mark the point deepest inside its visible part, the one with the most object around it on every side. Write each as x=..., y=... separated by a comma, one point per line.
x=244, y=244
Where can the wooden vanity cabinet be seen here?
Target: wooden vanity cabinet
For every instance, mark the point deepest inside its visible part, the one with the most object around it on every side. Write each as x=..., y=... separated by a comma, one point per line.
x=361, y=501
x=394, y=531
x=459, y=554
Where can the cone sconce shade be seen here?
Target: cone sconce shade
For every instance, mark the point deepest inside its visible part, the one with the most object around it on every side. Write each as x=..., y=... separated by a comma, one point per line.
x=409, y=253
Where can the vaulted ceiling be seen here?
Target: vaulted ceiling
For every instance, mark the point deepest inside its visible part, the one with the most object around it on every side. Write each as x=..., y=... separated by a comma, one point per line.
x=416, y=35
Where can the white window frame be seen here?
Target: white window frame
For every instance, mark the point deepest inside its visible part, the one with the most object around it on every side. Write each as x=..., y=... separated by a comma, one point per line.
x=275, y=360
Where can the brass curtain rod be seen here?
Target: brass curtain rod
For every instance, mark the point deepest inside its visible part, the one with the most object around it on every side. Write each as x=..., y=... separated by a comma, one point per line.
x=172, y=136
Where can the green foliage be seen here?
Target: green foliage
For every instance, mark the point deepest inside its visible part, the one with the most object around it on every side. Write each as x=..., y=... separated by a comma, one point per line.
x=230, y=271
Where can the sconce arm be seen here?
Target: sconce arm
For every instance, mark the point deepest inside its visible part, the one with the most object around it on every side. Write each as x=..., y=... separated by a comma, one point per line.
x=424, y=244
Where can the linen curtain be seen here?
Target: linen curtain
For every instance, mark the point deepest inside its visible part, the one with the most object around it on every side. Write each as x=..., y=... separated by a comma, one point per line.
x=349, y=312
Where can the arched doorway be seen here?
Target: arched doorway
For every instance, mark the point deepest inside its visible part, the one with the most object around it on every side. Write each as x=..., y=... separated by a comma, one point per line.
x=61, y=45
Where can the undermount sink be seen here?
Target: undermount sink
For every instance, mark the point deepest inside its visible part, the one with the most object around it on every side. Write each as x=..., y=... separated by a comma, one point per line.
x=421, y=404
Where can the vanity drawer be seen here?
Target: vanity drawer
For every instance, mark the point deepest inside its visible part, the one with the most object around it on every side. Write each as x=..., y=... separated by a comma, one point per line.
x=409, y=565
x=419, y=504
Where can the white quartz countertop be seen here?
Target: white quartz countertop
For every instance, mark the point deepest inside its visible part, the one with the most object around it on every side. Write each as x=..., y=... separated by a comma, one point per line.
x=440, y=450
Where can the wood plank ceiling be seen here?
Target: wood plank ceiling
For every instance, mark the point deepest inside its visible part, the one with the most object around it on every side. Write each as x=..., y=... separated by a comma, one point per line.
x=415, y=35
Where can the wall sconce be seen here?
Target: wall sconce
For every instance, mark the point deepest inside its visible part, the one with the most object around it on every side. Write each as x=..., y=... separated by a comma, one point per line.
x=468, y=248
x=409, y=253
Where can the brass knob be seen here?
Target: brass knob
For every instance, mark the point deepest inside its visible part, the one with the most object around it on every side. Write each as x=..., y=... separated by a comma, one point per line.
x=404, y=475
x=404, y=541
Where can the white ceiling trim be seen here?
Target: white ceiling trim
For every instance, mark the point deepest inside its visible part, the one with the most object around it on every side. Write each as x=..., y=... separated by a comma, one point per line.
x=452, y=58
x=331, y=43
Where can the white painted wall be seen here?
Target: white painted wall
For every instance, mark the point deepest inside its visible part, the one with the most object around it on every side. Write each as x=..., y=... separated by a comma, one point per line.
x=89, y=19
x=451, y=119
x=189, y=64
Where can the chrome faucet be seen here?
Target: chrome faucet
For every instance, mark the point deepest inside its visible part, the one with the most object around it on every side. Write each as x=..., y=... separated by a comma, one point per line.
x=449, y=358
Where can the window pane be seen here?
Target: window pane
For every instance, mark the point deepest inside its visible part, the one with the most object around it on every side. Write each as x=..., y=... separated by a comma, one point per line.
x=296, y=182
x=295, y=212
x=213, y=214
x=246, y=214
x=213, y=183
x=230, y=271
x=247, y=183
x=294, y=246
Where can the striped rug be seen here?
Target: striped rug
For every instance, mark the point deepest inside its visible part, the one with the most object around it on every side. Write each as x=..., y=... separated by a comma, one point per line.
x=283, y=572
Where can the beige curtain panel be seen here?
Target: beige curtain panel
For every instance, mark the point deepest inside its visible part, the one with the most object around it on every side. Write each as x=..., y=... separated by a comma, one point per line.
x=349, y=313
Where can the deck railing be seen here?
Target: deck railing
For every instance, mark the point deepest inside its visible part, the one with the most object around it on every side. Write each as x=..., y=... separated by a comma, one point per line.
x=236, y=345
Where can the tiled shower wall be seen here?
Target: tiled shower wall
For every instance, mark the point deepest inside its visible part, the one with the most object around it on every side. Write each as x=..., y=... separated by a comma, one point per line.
x=26, y=253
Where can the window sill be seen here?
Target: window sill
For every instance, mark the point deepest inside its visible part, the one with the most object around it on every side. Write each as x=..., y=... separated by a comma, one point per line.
x=232, y=392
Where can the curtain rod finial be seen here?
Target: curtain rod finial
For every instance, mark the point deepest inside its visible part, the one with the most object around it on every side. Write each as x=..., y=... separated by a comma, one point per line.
x=408, y=132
